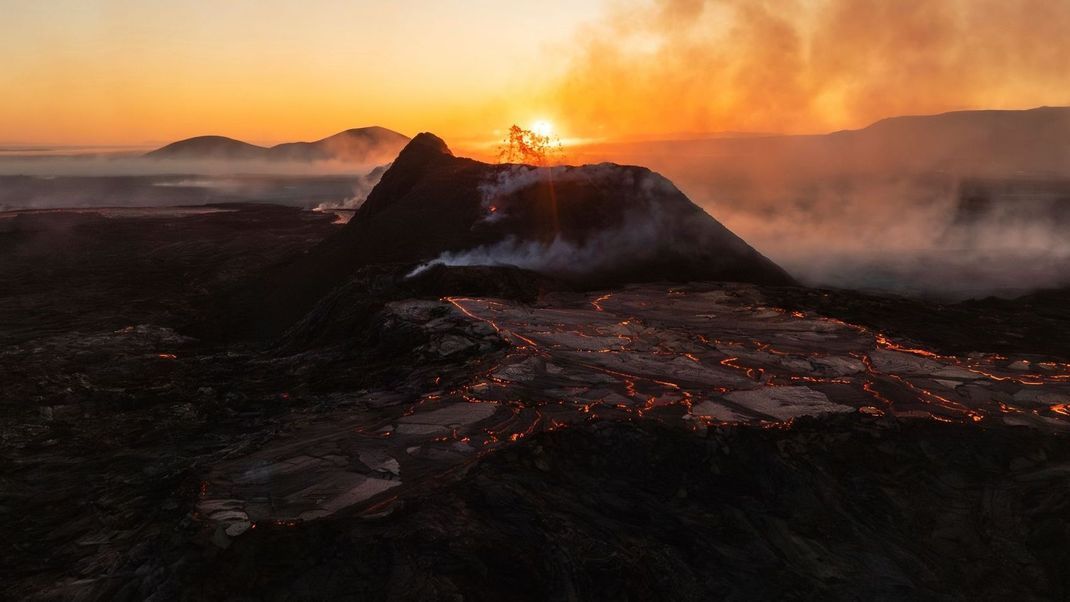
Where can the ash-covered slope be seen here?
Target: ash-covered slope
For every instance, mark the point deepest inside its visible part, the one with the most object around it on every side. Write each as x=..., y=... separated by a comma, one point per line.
x=593, y=226
x=598, y=225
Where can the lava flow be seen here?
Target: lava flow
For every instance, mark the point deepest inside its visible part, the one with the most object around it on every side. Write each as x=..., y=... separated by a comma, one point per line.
x=691, y=357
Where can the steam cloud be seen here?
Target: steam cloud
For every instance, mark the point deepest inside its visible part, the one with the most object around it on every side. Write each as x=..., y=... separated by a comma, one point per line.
x=362, y=187
x=906, y=231
x=61, y=182
x=644, y=230
x=877, y=226
x=633, y=240
x=127, y=165
x=883, y=214
x=783, y=66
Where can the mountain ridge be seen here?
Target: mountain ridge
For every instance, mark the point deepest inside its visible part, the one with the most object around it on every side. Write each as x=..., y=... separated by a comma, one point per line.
x=372, y=143
x=983, y=142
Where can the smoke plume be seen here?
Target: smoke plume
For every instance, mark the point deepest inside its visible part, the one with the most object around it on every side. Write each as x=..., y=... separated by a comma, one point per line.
x=362, y=186
x=784, y=66
x=645, y=228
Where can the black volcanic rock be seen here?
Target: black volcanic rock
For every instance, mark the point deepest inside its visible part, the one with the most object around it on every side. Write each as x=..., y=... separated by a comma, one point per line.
x=350, y=314
x=359, y=145
x=501, y=282
x=425, y=153
x=831, y=509
x=592, y=226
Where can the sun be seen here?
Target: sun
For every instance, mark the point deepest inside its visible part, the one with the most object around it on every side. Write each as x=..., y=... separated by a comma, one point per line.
x=542, y=127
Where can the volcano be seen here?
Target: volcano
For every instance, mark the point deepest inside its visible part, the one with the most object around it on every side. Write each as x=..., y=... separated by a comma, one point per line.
x=591, y=226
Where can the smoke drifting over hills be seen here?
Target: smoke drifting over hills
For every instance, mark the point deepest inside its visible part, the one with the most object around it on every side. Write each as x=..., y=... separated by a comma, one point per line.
x=743, y=65
x=960, y=204
x=362, y=187
x=881, y=207
x=356, y=150
x=124, y=165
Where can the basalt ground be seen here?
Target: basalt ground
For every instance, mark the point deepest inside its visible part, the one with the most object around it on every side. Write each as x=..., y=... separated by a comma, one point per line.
x=510, y=439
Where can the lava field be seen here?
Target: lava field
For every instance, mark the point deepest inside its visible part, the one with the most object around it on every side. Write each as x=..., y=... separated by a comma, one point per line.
x=418, y=439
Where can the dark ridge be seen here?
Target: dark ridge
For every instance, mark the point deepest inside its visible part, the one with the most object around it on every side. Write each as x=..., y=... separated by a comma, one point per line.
x=421, y=154
x=349, y=314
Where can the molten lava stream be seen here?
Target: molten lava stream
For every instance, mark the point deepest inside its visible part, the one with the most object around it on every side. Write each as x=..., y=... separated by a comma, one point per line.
x=597, y=303
x=885, y=343
x=513, y=428
x=754, y=374
x=916, y=393
x=1032, y=380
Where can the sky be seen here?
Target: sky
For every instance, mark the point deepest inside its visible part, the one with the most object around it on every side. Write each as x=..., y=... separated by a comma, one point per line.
x=124, y=72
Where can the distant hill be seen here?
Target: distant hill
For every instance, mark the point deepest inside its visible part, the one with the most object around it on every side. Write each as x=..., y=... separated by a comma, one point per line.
x=980, y=191
x=968, y=143
x=964, y=142
x=209, y=147
x=358, y=145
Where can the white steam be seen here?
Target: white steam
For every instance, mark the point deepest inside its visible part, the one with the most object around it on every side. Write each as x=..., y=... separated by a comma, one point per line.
x=636, y=239
x=644, y=231
x=506, y=182
x=120, y=164
x=362, y=187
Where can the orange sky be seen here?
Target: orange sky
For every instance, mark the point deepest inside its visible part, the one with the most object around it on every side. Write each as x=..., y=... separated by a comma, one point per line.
x=136, y=72
x=129, y=71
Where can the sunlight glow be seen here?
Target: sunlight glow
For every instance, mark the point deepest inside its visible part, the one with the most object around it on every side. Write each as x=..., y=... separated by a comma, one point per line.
x=542, y=127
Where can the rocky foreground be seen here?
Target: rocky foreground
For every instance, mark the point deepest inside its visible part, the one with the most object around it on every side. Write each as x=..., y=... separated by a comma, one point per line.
x=483, y=434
